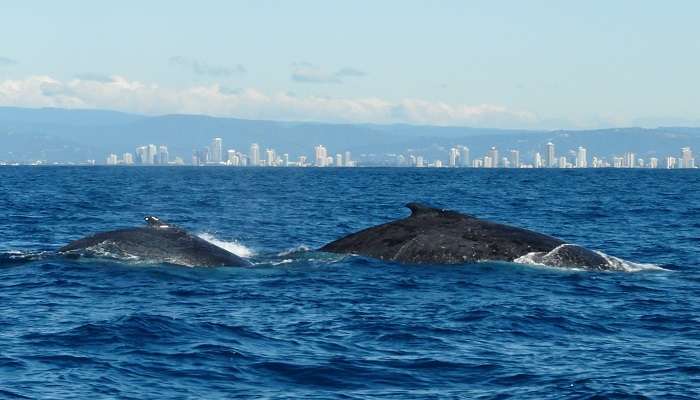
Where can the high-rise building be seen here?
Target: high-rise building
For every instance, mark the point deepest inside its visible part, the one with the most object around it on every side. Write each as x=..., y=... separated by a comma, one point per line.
x=419, y=161
x=216, y=151
x=630, y=160
x=271, y=158
x=653, y=162
x=111, y=159
x=339, y=160
x=550, y=154
x=464, y=157
x=562, y=162
x=321, y=156
x=581, y=158
x=454, y=153
x=142, y=155
x=232, y=158
x=488, y=162
x=128, y=158
x=514, y=159
x=254, y=155
x=493, y=154
x=152, y=151
x=538, y=160
x=348, y=160
x=163, y=156
x=687, y=157
x=670, y=162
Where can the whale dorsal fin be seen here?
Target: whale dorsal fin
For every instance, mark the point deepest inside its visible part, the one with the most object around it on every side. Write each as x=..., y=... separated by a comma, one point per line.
x=418, y=209
x=421, y=209
x=155, y=222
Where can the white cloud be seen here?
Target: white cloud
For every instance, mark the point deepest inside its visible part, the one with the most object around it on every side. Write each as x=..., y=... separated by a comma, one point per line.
x=119, y=93
x=304, y=72
x=4, y=61
x=202, y=68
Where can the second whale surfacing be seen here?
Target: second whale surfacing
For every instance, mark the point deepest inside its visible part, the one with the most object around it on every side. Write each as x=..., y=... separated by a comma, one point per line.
x=437, y=236
x=157, y=242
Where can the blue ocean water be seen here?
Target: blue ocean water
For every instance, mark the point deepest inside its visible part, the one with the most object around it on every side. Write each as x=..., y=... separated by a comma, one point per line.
x=304, y=324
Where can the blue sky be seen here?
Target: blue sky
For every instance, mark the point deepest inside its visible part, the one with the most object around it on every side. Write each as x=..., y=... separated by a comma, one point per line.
x=479, y=63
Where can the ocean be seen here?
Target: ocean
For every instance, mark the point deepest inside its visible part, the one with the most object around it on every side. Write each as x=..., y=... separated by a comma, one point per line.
x=304, y=324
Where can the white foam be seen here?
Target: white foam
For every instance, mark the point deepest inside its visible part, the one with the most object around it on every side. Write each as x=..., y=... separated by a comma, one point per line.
x=234, y=247
x=298, y=249
x=529, y=259
x=614, y=263
x=628, y=266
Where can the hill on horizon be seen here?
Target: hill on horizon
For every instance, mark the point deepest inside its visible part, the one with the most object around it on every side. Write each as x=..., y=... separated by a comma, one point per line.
x=67, y=135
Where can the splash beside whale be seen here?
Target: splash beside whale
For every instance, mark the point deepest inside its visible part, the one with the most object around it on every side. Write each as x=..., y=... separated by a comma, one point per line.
x=437, y=236
x=157, y=242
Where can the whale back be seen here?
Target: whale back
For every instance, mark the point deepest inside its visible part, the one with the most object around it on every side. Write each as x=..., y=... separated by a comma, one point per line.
x=433, y=235
x=156, y=242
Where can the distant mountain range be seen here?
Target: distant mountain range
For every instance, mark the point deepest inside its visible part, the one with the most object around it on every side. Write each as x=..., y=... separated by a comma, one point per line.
x=61, y=135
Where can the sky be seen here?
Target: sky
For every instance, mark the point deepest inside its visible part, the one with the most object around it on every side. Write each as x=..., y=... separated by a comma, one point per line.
x=502, y=64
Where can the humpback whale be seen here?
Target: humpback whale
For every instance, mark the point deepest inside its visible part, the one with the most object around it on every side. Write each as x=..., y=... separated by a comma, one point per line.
x=158, y=241
x=437, y=236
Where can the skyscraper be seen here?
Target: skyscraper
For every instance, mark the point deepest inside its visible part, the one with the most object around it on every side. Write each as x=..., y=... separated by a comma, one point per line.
x=581, y=158
x=112, y=159
x=514, y=159
x=128, y=158
x=232, y=158
x=339, y=160
x=348, y=160
x=538, y=160
x=271, y=158
x=493, y=154
x=687, y=157
x=163, y=156
x=550, y=159
x=321, y=156
x=216, y=151
x=464, y=157
x=454, y=153
x=151, y=154
x=254, y=155
x=630, y=160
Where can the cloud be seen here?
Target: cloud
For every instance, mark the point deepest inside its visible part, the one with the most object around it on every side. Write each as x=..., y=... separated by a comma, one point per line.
x=201, y=68
x=304, y=72
x=90, y=76
x=5, y=62
x=122, y=94
x=350, y=72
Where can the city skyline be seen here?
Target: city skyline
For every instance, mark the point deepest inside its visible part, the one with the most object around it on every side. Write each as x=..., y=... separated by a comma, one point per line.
x=458, y=156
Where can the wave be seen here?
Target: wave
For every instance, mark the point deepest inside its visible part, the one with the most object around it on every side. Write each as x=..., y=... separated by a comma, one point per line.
x=234, y=246
x=302, y=248
x=16, y=257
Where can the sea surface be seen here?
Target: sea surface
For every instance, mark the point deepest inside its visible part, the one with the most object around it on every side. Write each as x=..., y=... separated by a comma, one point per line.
x=305, y=324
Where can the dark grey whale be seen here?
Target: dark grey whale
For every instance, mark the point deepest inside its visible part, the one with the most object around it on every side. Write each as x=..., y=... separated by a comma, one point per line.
x=155, y=242
x=438, y=236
